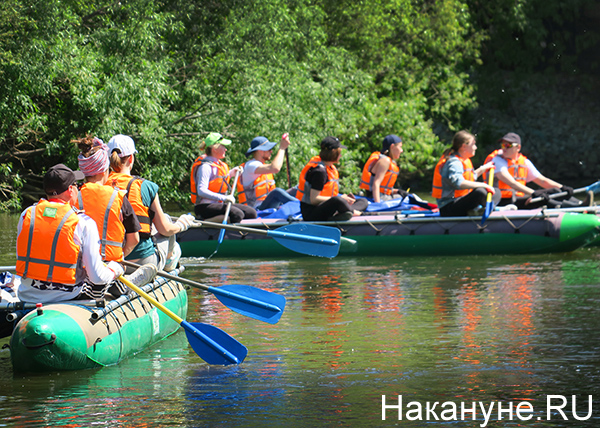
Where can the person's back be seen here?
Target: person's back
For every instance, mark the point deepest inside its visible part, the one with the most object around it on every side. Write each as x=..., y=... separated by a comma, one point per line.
x=160, y=249
x=58, y=252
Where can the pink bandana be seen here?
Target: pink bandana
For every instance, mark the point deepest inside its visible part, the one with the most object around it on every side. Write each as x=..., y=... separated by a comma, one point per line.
x=96, y=163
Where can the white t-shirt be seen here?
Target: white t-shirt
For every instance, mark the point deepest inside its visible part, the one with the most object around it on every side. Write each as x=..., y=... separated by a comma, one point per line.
x=502, y=165
x=249, y=174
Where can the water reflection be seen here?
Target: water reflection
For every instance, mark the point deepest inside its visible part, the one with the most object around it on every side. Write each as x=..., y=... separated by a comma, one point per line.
x=446, y=329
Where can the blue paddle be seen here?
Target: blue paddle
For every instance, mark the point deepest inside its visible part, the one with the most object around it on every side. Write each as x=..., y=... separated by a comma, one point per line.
x=304, y=238
x=211, y=343
x=251, y=301
x=489, y=204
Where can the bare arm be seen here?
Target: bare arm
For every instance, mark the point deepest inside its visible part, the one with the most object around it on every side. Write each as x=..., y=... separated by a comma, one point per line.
x=275, y=166
x=508, y=179
x=378, y=171
x=161, y=221
x=546, y=183
x=483, y=168
x=131, y=240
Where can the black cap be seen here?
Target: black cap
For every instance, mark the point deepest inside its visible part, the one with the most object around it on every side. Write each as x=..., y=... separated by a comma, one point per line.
x=513, y=138
x=330, y=143
x=59, y=178
x=388, y=141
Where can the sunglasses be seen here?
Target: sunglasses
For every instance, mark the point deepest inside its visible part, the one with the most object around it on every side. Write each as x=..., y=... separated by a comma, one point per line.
x=507, y=145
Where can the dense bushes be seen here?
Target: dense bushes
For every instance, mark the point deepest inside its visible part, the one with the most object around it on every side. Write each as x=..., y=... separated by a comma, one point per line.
x=168, y=72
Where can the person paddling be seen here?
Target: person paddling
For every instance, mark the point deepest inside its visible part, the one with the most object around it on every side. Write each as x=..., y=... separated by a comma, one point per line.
x=455, y=184
x=160, y=248
x=209, y=183
x=118, y=225
x=514, y=171
x=256, y=186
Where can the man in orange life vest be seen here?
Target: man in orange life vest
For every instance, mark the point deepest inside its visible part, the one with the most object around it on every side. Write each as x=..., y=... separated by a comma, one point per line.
x=58, y=248
x=514, y=171
x=318, y=188
x=256, y=186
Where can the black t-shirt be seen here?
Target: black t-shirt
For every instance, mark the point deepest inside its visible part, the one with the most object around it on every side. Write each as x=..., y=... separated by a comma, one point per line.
x=130, y=220
x=317, y=177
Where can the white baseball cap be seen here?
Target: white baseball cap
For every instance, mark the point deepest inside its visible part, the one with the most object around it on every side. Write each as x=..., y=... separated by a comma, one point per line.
x=123, y=143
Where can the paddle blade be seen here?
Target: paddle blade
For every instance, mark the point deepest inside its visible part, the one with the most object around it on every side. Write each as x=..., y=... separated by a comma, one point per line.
x=251, y=301
x=595, y=187
x=310, y=239
x=489, y=207
x=213, y=345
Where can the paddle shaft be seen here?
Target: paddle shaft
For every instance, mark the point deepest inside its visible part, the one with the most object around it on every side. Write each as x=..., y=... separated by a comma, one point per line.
x=235, y=180
x=186, y=325
x=169, y=276
x=287, y=165
x=151, y=299
x=558, y=195
x=491, y=184
x=7, y=268
x=272, y=233
x=214, y=290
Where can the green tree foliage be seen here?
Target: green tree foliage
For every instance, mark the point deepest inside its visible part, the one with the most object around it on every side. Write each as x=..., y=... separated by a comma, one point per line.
x=167, y=72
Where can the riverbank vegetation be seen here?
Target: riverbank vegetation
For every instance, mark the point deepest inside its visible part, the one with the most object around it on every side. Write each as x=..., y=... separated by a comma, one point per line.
x=167, y=72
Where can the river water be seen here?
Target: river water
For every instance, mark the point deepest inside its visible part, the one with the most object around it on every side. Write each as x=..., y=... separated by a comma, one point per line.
x=452, y=338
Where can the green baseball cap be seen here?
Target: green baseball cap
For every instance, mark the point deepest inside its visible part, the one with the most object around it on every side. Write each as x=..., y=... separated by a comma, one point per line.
x=216, y=138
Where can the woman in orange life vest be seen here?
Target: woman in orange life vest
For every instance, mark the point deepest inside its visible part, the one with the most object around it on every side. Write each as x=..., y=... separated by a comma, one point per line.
x=160, y=248
x=514, y=171
x=256, y=185
x=58, y=247
x=209, y=182
x=117, y=223
x=454, y=180
x=318, y=189
x=381, y=171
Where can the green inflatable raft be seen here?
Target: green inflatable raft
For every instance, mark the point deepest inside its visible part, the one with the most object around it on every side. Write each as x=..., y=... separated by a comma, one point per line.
x=504, y=232
x=72, y=336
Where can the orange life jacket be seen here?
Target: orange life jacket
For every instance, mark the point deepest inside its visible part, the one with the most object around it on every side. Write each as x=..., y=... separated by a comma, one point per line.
x=103, y=204
x=133, y=186
x=517, y=168
x=389, y=179
x=46, y=248
x=218, y=184
x=437, y=177
x=256, y=192
x=330, y=189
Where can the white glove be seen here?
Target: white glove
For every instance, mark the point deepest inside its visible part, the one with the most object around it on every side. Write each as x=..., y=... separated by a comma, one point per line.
x=185, y=221
x=116, y=268
x=229, y=198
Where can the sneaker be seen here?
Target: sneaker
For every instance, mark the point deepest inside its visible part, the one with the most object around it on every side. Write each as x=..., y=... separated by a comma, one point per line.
x=509, y=207
x=142, y=275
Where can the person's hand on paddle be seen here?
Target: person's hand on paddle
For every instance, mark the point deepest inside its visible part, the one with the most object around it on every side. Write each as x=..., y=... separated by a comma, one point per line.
x=235, y=171
x=116, y=268
x=567, y=189
x=542, y=194
x=483, y=168
x=185, y=221
x=285, y=141
x=490, y=189
x=229, y=199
